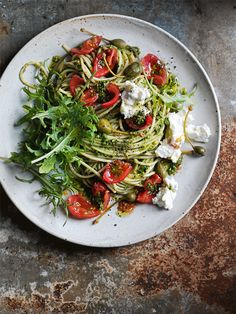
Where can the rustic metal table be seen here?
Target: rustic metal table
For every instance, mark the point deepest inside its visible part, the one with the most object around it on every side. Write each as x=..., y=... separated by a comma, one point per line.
x=190, y=268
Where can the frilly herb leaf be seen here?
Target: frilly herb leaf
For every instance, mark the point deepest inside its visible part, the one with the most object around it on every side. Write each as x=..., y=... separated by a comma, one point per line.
x=55, y=125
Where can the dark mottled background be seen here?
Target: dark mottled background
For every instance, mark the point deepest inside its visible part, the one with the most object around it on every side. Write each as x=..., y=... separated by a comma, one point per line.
x=190, y=268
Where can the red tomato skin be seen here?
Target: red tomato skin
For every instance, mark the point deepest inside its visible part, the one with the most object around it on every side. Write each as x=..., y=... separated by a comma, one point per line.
x=114, y=90
x=155, y=69
x=87, y=47
x=154, y=179
x=80, y=207
x=98, y=68
x=106, y=199
x=160, y=80
x=132, y=125
x=112, y=57
x=148, y=120
x=145, y=197
x=75, y=81
x=98, y=187
x=89, y=97
x=101, y=69
x=125, y=169
x=148, y=62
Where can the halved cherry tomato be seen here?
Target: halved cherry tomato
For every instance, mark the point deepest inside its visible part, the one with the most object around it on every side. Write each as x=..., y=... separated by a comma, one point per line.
x=148, y=62
x=151, y=184
x=115, y=92
x=100, y=190
x=145, y=197
x=116, y=171
x=89, y=97
x=155, y=69
x=134, y=126
x=80, y=207
x=106, y=199
x=161, y=79
x=75, y=81
x=87, y=46
x=99, y=66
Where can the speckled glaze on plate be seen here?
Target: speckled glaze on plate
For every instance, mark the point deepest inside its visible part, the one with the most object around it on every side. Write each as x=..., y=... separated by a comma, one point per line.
x=147, y=220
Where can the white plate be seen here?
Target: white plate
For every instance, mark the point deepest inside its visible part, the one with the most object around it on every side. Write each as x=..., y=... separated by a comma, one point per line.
x=146, y=221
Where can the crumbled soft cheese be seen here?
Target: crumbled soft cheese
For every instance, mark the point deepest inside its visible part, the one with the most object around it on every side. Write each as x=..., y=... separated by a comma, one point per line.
x=130, y=111
x=134, y=93
x=166, y=194
x=190, y=117
x=171, y=183
x=167, y=151
x=132, y=97
x=176, y=121
x=127, y=111
x=199, y=133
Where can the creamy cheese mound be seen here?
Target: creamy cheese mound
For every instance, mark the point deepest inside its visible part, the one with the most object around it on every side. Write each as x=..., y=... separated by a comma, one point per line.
x=133, y=97
x=166, y=194
x=176, y=121
x=199, y=133
x=164, y=150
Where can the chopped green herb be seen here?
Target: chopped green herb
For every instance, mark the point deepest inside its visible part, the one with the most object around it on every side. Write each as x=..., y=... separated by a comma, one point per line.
x=140, y=118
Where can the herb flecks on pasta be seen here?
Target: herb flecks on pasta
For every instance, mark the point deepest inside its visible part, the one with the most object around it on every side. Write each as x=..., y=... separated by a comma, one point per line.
x=104, y=122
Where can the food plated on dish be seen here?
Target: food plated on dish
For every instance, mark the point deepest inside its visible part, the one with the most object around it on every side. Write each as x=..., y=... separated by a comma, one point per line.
x=106, y=124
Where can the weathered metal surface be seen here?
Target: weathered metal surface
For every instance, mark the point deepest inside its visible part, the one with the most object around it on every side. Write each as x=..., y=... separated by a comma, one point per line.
x=190, y=268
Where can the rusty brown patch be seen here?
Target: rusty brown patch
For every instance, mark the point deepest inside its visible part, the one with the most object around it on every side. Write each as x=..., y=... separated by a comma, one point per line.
x=60, y=289
x=52, y=302
x=14, y=303
x=197, y=252
x=17, y=302
x=71, y=307
x=4, y=28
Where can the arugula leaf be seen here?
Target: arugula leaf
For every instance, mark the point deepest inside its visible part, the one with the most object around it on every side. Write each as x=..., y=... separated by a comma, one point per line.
x=177, y=98
x=167, y=99
x=48, y=164
x=55, y=125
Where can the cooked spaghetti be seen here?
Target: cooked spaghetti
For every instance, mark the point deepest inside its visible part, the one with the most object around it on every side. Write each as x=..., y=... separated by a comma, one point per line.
x=96, y=121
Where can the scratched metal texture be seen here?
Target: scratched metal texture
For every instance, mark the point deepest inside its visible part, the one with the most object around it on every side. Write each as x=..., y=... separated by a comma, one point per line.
x=190, y=268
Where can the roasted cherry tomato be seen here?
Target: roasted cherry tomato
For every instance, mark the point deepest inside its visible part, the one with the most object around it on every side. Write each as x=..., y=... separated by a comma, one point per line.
x=155, y=69
x=99, y=66
x=133, y=125
x=115, y=95
x=100, y=190
x=126, y=207
x=106, y=199
x=116, y=171
x=87, y=46
x=151, y=184
x=80, y=207
x=89, y=97
x=75, y=81
x=145, y=197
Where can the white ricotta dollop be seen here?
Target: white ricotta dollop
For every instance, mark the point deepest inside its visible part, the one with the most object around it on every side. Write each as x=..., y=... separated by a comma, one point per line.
x=176, y=121
x=132, y=97
x=127, y=111
x=171, y=183
x=199, y=133
x=167, y=151
x=166, y=194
